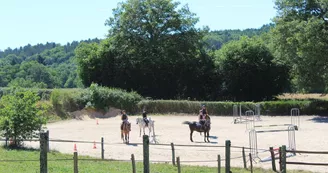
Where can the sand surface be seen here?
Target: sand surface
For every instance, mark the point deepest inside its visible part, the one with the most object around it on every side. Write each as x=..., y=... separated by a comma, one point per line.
x=312, y=136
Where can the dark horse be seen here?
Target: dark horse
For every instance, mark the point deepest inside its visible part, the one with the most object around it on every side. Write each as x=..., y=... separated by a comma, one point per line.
x=193, y=126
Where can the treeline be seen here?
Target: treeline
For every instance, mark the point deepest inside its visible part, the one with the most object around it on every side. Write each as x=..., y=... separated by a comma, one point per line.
x=156, y=50
x=47, y=65
x=52, y=65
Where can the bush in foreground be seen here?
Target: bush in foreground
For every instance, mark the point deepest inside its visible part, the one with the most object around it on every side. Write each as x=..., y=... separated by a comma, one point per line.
x=20, y=117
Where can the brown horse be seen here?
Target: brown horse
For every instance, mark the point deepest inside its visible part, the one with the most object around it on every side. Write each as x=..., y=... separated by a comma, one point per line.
x=125, y=133
x=193, y=126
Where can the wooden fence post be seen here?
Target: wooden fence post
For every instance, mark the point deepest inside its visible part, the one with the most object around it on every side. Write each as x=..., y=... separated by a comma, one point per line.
x=133, y=163
x=283, y=159
x=219, y=163
x=48, y=146
x=244, y=158
x=76, y=168
x=6, y=141
x=273, y=160
x=178, y=163
x=43, y=153
x=102, y=148
x=251, y=161
x=280, y=160
x=227, y=156
x=173, y=154
x=146, y=153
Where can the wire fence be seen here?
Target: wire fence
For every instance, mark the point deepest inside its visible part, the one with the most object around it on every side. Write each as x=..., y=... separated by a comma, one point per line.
x=246, y=159
x=44, y=146
x=283, y=158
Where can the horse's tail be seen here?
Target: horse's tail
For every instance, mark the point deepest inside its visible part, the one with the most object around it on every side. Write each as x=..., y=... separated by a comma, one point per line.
x=187, y=122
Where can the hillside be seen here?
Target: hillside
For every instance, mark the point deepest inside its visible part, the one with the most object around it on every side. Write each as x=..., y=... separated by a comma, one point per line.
x=47, y=65
x=52, y=65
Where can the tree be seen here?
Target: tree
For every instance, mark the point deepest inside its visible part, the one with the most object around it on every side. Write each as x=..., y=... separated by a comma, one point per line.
x=20, y=117
x=38, y=73
x=153, y=48
x=249, y=71
x=20, y=82
x=300, y=40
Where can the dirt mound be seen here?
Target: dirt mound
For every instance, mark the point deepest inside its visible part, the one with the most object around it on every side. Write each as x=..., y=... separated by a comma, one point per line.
x=92, y=113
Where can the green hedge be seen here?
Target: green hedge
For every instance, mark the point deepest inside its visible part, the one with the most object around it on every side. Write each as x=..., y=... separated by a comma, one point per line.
x=68, y=100
x=308, y=107
x=103, y=97
x=65, y=101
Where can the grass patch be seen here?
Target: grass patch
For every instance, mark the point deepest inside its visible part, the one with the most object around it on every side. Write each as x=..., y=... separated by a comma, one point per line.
x=299, y=96
x=92, y=166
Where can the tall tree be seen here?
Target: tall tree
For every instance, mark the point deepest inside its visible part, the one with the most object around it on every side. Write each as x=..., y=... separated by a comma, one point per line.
x=300, y=39
x=249, y=71
x=153, y=48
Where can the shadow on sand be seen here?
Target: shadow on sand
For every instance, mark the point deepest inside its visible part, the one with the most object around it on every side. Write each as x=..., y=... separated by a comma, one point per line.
x=320, y=119
x=132, y=144
x=205, y=142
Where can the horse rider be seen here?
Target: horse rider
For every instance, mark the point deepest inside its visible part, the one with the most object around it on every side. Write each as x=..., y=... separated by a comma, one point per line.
x=124, y=118
x=144, y=116
x=204, y=110
x=203, y=116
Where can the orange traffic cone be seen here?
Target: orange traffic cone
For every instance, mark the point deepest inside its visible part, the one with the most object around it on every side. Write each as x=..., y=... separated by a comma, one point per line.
x=94, y=145
x=75, y=150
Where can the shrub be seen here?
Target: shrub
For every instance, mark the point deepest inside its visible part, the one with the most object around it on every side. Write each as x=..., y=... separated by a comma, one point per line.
x=104, y=97
x=68, y=100
x=20, y=118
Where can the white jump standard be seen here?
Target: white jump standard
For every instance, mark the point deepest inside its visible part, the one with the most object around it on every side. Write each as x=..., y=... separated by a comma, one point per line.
x=253, y=141
x=239, y=118
x=291, y=128
x=294, y=121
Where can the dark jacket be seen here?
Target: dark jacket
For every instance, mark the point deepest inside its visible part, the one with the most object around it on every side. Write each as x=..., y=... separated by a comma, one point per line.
x=204, y=111
x=144, y=115
x=124, y=117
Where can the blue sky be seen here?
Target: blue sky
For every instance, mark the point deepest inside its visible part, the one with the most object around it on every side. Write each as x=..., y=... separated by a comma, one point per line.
x=39, y=21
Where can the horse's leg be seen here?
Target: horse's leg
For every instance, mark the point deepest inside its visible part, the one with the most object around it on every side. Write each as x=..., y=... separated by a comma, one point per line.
x=205, y=133
x=208, y=134
x=191, y=131
x=140, y=131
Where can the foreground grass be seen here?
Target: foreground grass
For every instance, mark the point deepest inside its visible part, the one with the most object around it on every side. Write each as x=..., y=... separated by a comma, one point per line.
x=32, y=166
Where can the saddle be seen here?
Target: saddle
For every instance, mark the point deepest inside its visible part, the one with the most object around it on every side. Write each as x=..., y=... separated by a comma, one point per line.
x=127, y=123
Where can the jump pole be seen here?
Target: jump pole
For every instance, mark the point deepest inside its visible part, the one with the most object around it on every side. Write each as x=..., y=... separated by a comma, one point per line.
x=253, y=140
x=295, y=121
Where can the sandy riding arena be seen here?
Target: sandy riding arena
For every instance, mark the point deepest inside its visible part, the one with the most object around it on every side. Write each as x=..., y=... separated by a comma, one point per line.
x=312, y=136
